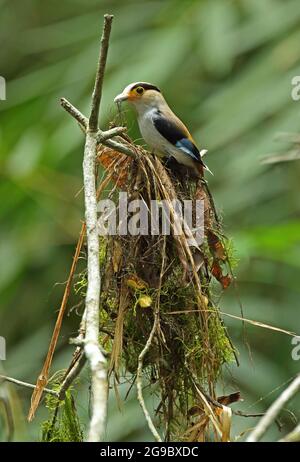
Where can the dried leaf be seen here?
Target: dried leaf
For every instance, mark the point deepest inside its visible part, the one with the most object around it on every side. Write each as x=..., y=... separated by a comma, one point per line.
x=229, y=399
x=215, y=245
x=224, y=416
x=108, y=158
x=226, y=281
x=216, y=270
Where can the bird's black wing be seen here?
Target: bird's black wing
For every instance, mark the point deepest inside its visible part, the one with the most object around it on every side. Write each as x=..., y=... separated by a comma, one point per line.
x=175, y=135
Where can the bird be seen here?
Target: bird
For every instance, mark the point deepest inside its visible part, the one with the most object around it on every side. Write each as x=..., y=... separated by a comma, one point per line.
x=161, y=129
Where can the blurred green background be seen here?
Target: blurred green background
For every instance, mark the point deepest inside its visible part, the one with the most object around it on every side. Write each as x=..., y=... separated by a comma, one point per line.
x=226, y=69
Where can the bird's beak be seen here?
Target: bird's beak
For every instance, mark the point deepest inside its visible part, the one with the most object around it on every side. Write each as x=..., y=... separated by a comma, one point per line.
x=121, y=97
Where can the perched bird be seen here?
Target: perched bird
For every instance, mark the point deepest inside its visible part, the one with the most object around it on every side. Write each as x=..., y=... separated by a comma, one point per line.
x=162, y=130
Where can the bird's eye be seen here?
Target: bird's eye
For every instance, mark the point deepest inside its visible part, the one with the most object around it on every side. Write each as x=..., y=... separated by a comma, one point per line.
x=140, y=90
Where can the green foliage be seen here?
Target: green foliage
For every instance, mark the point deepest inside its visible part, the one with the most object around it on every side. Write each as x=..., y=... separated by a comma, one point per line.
x=63, y=424
x=226, y=68
x=220, y=343
x=80, y=285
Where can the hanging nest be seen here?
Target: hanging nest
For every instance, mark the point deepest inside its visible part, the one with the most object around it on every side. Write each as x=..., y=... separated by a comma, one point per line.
x=159, y=320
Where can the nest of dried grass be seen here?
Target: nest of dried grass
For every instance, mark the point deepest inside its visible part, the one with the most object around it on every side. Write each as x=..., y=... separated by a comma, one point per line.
x=159, y=318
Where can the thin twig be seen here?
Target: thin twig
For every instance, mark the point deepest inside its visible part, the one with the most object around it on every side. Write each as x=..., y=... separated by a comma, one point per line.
x=292, y=437
x=139, y=375
x=73, y=111
x=115, y=131
x=43, y=376
x=102, y=136
x=207, y=407
x=273, y=411
x=97, y=93
x=79, y=361
x=26, y=385
x=139, y=378
x=250, y=321
x=83, y=122
x=244, y=414
x=120, y=147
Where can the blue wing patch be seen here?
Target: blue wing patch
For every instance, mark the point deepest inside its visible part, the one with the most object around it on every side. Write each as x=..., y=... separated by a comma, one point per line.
x=188, y=146
x=174, y=134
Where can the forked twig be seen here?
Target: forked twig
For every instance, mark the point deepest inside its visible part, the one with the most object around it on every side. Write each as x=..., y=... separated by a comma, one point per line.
x=92, y=348
x=93, y=352
x=102, y=137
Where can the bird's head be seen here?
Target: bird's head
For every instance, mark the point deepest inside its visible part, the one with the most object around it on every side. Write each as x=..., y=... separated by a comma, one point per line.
x=142, y=95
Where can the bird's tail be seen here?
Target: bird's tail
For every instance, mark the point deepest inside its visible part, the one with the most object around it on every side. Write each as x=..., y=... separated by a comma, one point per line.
x=202, y=154
x=207, y=169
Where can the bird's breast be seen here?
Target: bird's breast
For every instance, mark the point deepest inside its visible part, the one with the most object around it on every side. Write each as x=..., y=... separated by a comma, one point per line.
x=158, y=143
x=150, y=134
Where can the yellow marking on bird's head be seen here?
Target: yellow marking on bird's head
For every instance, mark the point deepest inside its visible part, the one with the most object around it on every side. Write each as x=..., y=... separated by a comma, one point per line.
x=138, y=91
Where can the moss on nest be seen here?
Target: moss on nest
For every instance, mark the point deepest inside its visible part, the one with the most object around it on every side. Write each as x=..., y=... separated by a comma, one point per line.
x=63, y=424
x=190, y=342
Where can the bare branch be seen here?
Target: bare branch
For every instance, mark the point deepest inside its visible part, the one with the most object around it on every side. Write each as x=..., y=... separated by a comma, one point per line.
x=120, y=147
x=92, y=350
x=102, y=137
x=244, y=414
x=73, y=111
x=116, y=131
x=72, y=374
x=83, y=122
x=273, y=411
x=90, y=321
x=97, y=93
x=26, y=385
